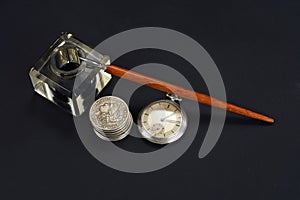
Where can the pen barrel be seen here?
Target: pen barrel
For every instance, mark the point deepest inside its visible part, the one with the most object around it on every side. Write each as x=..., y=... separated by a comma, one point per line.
x=183, y=92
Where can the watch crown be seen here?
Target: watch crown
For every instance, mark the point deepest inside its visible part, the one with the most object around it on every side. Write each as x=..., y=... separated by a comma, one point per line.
x=174, y=97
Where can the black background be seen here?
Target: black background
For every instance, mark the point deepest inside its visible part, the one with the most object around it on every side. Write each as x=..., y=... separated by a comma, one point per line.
x=256, y=48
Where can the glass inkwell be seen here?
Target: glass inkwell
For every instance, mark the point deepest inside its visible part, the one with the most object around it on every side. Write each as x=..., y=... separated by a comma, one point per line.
x=70, y=74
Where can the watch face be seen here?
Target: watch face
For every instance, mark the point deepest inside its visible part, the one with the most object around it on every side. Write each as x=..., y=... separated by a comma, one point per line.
x=162, y=122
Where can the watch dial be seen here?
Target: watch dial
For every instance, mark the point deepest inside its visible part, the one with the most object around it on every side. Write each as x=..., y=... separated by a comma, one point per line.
x=161, y=119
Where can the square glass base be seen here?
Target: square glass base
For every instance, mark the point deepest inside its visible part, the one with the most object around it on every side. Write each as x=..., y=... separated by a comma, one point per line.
x=63, y=76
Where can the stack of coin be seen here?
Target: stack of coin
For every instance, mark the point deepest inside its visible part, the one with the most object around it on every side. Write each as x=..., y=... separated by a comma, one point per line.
x=111, y=118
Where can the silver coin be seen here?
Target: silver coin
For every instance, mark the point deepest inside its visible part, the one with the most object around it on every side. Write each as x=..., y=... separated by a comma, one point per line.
x=111, y=118
x=109, y=113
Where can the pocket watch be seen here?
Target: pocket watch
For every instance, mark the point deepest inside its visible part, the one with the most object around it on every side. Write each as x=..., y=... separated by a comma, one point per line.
x=163, y=121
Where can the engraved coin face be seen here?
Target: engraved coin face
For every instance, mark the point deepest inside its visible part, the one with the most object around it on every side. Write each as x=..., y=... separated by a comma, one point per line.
x=109, y=113
x=162, y=122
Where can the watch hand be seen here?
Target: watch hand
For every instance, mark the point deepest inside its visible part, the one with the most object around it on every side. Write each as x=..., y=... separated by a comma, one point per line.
x=171, y=121
x=164, y=118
